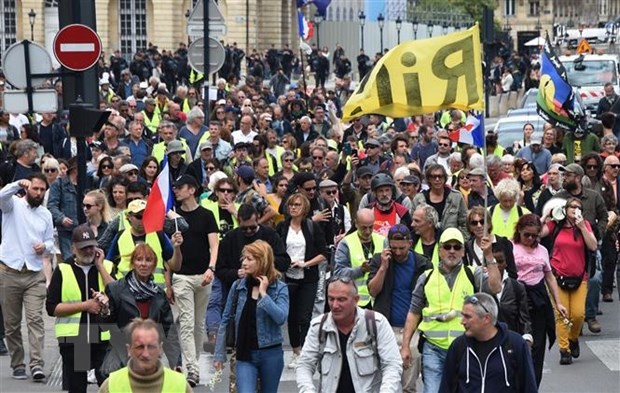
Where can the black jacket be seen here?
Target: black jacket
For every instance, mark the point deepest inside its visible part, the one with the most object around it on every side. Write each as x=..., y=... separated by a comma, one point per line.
x=229, y=254
x=315, y=244
x=299, y=136
x=383, y=300
x=123, y=306
x=513, y=307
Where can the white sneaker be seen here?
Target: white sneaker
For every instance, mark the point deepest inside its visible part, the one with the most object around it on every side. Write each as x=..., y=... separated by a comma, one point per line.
x=293, y=364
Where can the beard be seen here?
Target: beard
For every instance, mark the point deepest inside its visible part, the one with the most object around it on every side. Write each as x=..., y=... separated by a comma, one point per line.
x=571, y=186
x=34, y=202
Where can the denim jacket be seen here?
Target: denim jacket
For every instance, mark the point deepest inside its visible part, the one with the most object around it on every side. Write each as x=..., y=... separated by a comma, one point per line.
x=271, y=314
x=62, y=203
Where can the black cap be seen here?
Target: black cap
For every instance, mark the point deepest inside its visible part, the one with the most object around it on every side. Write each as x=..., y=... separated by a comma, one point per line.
x=83, y=236
x=186, y=179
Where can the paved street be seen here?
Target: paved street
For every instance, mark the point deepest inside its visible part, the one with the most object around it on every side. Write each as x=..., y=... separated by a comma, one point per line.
x=596, y=371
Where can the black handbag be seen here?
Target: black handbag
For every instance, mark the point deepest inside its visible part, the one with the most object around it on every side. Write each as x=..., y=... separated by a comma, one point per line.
x=231, y=337
x=569, y=283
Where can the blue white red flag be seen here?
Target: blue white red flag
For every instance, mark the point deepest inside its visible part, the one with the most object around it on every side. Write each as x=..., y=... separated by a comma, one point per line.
x=472, y=133
x=321, y=5
x=305, y=28
x=160, y=201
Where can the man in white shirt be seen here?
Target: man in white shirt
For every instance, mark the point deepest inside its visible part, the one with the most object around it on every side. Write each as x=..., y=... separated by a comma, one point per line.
x=27, y=231
x=245, y=133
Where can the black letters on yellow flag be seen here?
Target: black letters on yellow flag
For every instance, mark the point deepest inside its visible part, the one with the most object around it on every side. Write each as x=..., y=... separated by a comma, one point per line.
x=423, y=76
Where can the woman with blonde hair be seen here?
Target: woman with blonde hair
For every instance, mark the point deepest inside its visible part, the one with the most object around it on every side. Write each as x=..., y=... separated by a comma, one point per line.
x=257, y=304
x=97, y=211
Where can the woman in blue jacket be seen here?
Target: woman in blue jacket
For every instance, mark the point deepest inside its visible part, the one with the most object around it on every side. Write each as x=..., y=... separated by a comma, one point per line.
x=258, y=302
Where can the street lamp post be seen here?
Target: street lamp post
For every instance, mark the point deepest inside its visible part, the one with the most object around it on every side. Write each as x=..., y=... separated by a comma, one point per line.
x=31, y=17
x=399, y=24
x=429, y=27
x=414, y=26
x=381, y=21
x=362, y=18
x=317, y=23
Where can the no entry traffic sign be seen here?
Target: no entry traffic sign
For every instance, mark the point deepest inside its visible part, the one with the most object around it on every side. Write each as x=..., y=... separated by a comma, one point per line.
x=77, y=47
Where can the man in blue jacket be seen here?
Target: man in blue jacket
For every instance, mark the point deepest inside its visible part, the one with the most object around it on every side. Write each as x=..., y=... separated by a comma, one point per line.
x=488, y=357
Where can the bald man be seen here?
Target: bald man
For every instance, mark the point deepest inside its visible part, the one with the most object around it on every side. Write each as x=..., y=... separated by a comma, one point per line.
x=355, y=251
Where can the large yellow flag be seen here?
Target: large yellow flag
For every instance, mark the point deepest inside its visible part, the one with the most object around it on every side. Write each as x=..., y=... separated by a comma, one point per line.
x=423, y=76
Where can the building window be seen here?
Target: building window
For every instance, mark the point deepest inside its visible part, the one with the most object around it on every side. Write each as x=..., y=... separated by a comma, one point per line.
x=509, y=7
x=132, y=20
x=8, y=26
x=534, y=8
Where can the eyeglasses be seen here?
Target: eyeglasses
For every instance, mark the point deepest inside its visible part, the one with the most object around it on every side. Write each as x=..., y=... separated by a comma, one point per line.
x=435, y=177
x=210, y=168
x=574, y=206
x=87, y=206
x=530, y=235
x=476, y=302
x=50, y=170
x=226, y=190
x=455, y=247
x=463, y=177
x=309, y=189
x=475, y=223
x=132, y=173
x=331, y=192
x=248, y=228
x=370, y=146
x=317, y=157
x=444, y=144
x=343, y=279
x=106, y=166
x=592, y=166
x=219, y=112
x=615, y=166
x=288, y=160
x=398, y=229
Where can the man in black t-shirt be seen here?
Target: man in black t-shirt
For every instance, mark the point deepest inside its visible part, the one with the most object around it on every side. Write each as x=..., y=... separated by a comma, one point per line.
x=191, y=285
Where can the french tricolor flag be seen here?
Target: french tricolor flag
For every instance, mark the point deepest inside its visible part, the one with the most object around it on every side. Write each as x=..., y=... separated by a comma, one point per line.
x=471, y=133
x=160, y=201
x=305, y=28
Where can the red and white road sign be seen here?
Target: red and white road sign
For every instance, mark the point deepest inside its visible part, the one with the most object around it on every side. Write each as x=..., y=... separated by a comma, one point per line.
x=77, y=47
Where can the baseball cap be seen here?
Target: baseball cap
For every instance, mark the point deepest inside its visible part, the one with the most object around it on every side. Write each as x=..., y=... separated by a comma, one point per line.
x=536, y=139
x=136, y=206
x=143, y=85
x=372, y=142
x=128, y=168
x=364, y=171
x=83, y=237
x=242, y=145
x=162, y=90
x=206, y=145
x=399, y=231
x=411, y=180
x=572, y=168
x=185, y=179
x=246, y=173
x=175, y=146
x=221, y=102
x=97, y=145
x=332, y=145
x=477, y=172
x=451, y=234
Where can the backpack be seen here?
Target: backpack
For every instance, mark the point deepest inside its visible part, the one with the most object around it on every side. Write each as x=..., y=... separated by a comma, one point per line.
x=460, y=346
x=371, y=328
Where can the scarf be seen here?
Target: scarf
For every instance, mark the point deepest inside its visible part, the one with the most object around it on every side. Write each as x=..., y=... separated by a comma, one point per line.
x=139, y=289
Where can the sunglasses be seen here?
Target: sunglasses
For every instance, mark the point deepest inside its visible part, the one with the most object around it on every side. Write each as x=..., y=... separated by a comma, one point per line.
x=574, y=206
x=370, y=146
x=210, y=168
x=593, y=166
x=436, y=177
x=310, y=189
x=455, y=247
x=464, y=177
x=288, y=160
x=343, y=279
x=106, y=166
x=331, y=192
x=317, y=157
x=475, y=223
x=87, y=206
x=530, y=235
x=398, y=229
x=476, y=302
x=615, y=166
x=249, y=228
x=138, y=216
x=50, y=170
x=226, y=190
x=444, y=144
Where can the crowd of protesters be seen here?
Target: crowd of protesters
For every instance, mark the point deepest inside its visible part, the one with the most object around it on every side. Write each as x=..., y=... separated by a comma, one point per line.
x=274, y=194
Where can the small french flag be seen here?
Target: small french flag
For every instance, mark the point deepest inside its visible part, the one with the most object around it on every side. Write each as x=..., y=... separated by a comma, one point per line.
x=160, y=201
x=471, y=133
x=305, y=28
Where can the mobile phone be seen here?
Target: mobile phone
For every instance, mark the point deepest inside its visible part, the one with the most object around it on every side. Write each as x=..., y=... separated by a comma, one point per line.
x=354, y=152
x=347, y=149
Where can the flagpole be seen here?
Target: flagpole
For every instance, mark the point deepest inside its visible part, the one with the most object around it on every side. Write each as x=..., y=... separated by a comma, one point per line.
x=484, y=166
x=303, y=71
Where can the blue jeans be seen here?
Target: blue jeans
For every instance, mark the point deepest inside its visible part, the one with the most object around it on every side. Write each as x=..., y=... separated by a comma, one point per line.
x=433, y=359
x=214, y=307
x=266, y=364
x=594, y=290
x=64, y=243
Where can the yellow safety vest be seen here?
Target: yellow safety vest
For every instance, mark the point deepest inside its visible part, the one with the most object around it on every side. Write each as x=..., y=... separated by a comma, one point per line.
x=185, y=106
x=205, y=137
x=435, y=259
x=126, y=246
x=214, y=208
x=357, y=257
x=159, y=150
x=108, y=96
x=279, y=151
x=174, y=382
x=69, y=325
x=440, y=302
x=506, y=229
x=153, y=123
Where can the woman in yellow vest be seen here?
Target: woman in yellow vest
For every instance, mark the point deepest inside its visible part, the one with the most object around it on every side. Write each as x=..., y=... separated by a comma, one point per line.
x=145, y=372
x=506, y=213
x=137, y=296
